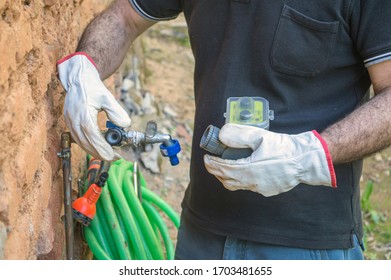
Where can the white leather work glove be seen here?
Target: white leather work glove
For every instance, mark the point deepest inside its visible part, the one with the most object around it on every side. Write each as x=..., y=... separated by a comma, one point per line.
x=86, y=96
x=279, y=162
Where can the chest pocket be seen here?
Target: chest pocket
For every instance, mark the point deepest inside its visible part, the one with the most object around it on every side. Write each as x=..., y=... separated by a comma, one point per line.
x=302, y=45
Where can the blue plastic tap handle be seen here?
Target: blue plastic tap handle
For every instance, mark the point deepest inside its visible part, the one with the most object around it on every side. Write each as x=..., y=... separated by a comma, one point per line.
x=109, y=124
x=171, y=151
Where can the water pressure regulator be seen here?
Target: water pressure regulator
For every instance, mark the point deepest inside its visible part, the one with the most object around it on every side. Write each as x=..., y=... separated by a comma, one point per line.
x=253, y=111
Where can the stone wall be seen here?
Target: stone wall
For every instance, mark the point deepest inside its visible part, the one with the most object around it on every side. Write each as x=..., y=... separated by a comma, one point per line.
x=34, y=34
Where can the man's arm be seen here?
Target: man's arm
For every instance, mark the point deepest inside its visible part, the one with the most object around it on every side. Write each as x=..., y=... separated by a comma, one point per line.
x=108, y=37
x=367, y=129
x=101, y=50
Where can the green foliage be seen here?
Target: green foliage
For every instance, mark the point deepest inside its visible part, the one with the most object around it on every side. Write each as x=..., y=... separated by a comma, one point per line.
x=373, y=221
x=365, y=198
x=372, y=216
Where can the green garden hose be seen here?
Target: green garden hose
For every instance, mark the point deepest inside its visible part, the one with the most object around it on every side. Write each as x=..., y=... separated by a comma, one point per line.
x=126, y=227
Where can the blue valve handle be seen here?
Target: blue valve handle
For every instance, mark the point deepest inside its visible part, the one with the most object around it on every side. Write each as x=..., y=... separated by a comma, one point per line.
x=109, y=124
x=171, y=151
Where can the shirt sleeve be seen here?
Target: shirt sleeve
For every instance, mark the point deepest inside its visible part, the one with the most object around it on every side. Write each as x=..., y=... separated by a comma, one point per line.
x=157, y=10
x=371, y=30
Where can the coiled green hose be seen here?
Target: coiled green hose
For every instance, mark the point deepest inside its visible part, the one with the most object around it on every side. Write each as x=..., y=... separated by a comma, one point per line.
x=126, y=228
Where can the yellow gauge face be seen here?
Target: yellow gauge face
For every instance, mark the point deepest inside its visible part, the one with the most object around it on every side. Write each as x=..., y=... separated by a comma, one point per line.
x=246, y=110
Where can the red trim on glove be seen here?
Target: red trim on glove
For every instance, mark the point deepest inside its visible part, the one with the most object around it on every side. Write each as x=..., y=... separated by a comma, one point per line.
x=328, y=158
x=74, y=54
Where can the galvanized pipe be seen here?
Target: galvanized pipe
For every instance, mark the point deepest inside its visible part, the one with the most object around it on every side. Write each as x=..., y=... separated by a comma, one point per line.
x=136, y=180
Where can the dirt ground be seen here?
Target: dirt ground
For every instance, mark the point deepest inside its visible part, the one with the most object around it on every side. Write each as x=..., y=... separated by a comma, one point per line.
x=169, y=77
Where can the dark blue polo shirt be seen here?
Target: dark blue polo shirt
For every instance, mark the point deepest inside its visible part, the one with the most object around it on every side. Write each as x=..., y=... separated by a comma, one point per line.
x=309, y=59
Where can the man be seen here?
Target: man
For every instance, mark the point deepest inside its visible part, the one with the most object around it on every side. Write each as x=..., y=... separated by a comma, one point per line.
x=297, y=195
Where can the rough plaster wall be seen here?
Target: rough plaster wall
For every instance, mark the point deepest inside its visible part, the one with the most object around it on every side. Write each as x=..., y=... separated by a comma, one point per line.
x=34, y=34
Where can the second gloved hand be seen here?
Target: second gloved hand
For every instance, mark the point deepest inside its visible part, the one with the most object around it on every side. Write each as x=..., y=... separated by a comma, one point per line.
x=86, y=96
x=279, y=162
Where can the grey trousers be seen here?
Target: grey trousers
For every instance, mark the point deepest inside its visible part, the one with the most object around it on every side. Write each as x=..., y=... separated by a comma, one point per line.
x=197, y=244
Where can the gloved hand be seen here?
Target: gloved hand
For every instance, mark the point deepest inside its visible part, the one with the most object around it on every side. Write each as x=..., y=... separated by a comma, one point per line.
x=86, y=96
x=279, y=162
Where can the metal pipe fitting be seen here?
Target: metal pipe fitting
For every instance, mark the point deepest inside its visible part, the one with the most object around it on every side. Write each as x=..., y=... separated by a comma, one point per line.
x=116, y=136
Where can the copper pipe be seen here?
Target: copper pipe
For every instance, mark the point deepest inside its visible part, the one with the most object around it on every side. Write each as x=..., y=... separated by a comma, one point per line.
x=65, y=155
